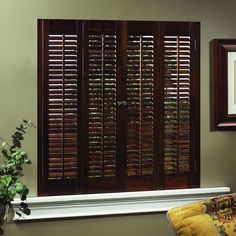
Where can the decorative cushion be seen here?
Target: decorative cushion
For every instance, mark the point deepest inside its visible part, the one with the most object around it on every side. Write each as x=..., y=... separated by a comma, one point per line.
x=213, y=217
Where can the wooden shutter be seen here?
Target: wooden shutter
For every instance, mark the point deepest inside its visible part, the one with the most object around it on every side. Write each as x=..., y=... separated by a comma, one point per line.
x=140, y=109
x=62, y=110
x=118, y=106
x=179, y=95
x=177, y=104
x=102, y=75
x=61, y=106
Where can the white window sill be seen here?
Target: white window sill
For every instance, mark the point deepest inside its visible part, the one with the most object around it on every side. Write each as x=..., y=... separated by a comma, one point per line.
x=87, y=205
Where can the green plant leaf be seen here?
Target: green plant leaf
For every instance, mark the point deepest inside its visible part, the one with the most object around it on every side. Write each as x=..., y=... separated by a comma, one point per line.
x=23, y=205
x=4, y=143
x=28, y=161
x=14, y=158
x=26, y=191
x=19, y=187
x=27, y=211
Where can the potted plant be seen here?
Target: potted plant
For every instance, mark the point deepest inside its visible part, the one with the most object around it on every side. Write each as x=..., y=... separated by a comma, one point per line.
x=13, y=158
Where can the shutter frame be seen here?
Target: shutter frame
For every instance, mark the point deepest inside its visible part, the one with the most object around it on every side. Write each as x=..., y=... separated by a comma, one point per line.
x=101, y=38
x=121, y=182
x=192, y=179
x=48, y=185
x=140, y=81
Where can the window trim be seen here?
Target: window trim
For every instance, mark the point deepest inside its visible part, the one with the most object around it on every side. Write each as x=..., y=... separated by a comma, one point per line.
x=111, y=204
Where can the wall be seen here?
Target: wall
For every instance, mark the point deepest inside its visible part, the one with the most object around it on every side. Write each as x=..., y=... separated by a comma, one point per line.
x=18, y=93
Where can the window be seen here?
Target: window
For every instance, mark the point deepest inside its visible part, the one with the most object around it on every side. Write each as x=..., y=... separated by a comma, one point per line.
x=118, y=106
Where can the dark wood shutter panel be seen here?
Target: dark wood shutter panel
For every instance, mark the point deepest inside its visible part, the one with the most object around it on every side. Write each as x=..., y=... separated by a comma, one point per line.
x=102, y=105
x=177, y=131
x=102, y=89
x=140, y=80
x=63, y=104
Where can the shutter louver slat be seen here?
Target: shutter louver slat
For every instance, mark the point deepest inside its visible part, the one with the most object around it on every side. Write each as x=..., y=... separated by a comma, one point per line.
x=102, y=105
x=140, y=73
x=177, y=105
x=62, y=109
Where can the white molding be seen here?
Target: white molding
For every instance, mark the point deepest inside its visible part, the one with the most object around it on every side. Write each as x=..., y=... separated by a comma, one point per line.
x=88, y=205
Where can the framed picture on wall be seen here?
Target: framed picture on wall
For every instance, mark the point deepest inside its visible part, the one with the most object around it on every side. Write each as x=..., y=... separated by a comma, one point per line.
x=223, y=78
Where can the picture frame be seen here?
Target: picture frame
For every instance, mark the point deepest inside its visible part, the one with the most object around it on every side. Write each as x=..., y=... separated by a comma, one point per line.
x=223, y=78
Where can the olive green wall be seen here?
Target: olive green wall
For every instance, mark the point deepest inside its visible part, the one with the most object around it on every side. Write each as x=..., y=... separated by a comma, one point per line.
x=18, y=93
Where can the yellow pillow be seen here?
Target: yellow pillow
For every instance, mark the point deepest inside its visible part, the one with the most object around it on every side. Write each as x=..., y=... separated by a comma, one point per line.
x=214, y=217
